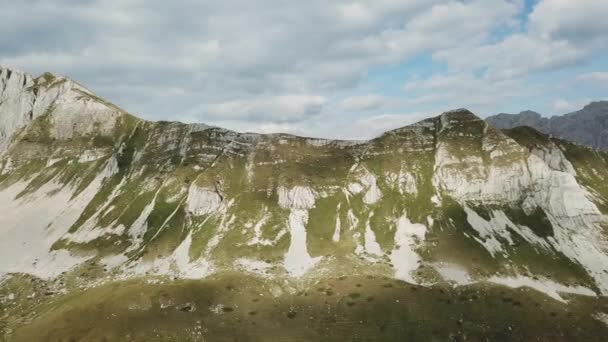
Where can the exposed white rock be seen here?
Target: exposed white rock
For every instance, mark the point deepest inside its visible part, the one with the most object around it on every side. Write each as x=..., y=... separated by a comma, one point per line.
x=90, y=229
x=373, y=193
x=404, y=258
x=113, y=261
x=453, y=273
x=178, y=264
x=203, y=201
x=367, y=182
x=337, y=230
x=298, y=197
x=355, y=188
x=53, y=161
x=547, y=286
x=140, y=226
x=371, y=245
x=470, y=180
x=47, y=218
x=297, y=260
x=558, y=192
x=15, y=104
x=91, y=155
x=258, y=267
x=186, y=268
x=352, y=220
x=403, y=181
x=7, y=166
x=257, y=238
x=554, y=158
x=91, y=232
x=436, y=200
x=226, y=222
x=489, y=232
x=72, y=109
x=602, y=317
x=542, y=179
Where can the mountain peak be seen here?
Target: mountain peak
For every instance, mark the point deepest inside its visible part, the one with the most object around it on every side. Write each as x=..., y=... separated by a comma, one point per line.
x=8, y=71
x=460, y=114
x=70, y=109
x=596, y=105
x=457, y=116
x=587, y=126
x=530, y=113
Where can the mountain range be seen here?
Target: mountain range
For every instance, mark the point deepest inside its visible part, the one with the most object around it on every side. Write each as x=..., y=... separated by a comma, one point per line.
x=588, y=126
x=117, y=228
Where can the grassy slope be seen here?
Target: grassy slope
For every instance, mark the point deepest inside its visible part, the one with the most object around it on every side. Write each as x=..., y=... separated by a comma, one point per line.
x=356, y=308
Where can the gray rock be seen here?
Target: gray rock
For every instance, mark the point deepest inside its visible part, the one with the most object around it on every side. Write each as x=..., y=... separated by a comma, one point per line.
x=588, y=126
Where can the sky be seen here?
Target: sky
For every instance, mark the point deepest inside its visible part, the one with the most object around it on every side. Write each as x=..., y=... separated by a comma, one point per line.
x=321, y=68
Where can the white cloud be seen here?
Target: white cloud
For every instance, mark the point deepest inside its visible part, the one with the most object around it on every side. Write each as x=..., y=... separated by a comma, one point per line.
x=600, y=77
x=371, y=127
x=264, y=127
x=579, y=21
x=559, y=34
x=286, y=65
x=453, y=90
x=561, y=106
x=217, y=53
x=514, y=56
x=362, y=102
x=286, y=108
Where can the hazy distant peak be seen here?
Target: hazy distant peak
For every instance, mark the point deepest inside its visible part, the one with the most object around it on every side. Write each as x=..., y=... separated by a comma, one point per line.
x=588, y=126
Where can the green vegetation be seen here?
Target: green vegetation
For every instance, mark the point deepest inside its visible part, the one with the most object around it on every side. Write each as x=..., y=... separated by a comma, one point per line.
x=232, y=307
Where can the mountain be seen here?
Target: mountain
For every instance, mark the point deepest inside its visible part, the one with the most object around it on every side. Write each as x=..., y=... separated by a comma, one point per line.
x=117, y=228
x=588, y=126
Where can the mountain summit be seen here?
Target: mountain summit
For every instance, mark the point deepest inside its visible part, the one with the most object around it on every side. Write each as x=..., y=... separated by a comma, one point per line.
x=112, y=226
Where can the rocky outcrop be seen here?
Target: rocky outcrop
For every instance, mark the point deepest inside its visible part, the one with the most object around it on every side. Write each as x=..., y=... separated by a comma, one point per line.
x=70, y=109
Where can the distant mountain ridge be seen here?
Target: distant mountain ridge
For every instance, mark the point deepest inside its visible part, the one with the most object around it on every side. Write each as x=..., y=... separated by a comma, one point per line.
x=588, y=126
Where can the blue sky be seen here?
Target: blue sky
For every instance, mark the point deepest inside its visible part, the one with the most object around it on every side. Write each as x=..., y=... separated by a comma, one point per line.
x=341, y=69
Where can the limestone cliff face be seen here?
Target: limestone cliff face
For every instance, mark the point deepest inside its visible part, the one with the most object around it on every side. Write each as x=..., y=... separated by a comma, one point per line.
x=67, y=108
x=83, y=181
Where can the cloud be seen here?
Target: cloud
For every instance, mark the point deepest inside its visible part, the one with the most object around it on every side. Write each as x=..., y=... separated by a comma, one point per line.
x=455, y=90
x=281, y=109
x=514, y=56
x=264, y=127
x=559, y=33
x=290, y=64
x=374, y=126
x=561, y=106
x=220, y=51
x=600, y=77
x=362, y=102
x=580, y=22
